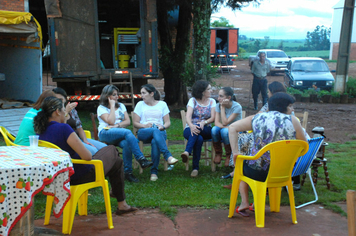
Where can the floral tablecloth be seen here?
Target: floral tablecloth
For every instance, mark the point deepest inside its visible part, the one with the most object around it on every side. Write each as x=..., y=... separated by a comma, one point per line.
x=25, y=171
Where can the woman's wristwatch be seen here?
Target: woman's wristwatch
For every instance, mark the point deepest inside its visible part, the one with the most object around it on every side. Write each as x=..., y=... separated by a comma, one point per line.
x=205, y=122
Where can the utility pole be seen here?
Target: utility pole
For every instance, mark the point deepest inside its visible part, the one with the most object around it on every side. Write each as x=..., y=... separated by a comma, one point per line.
x=342, y=66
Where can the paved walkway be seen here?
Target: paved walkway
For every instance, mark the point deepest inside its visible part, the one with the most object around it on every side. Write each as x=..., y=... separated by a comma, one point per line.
x=313, y=220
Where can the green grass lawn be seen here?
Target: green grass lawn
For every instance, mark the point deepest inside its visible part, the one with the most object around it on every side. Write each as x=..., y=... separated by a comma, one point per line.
x=176, y=188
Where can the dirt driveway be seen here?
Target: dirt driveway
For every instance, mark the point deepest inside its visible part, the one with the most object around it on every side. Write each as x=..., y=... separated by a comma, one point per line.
x=337, y=119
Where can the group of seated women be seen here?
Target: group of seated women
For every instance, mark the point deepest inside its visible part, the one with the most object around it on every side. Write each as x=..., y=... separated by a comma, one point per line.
x=56, y=121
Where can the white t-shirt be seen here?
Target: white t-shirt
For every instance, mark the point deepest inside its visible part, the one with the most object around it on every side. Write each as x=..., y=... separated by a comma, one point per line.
x=119, y=115
x=151, y=114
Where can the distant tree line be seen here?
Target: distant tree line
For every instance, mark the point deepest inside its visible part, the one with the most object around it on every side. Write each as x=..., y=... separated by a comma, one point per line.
x=319, y=39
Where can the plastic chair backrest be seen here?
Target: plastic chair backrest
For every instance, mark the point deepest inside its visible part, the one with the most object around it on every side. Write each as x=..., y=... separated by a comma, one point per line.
x=42, y=143
x=303, y=163
x=283, y=155
x=8, y=138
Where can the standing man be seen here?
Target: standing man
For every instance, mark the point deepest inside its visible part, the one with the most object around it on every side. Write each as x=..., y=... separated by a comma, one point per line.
x=260, y=69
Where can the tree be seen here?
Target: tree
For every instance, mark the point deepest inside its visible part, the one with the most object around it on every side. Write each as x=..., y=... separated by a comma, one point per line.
x=173, y=57
x=319, y=39
x=175, y=53
x=222, y=22
x=202, y=10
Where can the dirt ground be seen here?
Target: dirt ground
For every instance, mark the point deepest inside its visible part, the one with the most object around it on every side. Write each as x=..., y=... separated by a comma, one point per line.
x=337, y=119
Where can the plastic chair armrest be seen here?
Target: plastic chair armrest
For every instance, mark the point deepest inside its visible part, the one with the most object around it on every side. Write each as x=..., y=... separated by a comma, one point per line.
x=99, y=168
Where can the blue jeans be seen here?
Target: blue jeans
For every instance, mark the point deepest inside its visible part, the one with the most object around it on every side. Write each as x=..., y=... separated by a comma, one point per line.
x=219, y=134
x=125, y=139
x=157, y=138
x=195, y=143
x=98, y=145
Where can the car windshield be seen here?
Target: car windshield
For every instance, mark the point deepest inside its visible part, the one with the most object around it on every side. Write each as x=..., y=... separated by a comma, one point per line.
x=310, y=66
x=276, y=54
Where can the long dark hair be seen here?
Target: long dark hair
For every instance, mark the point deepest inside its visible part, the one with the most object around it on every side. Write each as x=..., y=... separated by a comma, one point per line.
x=49, y=105
x=229, y=92
x=108, y=90
x=45, y=94
x=198, y=88
x=151, y=89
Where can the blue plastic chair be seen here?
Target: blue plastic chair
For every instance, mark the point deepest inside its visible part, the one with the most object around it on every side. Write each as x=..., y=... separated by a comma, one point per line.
x=303, y=164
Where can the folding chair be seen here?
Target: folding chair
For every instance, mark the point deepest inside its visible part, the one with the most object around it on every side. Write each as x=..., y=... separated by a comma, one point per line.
x=303, y=164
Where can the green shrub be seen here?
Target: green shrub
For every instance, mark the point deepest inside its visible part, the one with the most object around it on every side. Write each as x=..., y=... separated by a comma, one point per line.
x=311, y=91
x=323, y=92
x=293, y=91
x=335, y=94
x=305, y=94
x=351, y=87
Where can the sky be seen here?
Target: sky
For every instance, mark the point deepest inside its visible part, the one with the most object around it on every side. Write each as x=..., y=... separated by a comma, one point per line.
x=280, y=19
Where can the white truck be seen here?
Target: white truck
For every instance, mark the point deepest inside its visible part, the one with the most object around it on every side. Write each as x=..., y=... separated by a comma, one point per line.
x=277, y=58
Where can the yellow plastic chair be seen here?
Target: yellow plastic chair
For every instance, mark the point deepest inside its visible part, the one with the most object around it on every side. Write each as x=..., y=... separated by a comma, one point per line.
x=283, y=155
x=8, y=137
x=87, y=133
x=79, y=194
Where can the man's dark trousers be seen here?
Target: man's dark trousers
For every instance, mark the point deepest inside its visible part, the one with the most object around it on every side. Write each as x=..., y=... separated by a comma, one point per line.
x=259, y=85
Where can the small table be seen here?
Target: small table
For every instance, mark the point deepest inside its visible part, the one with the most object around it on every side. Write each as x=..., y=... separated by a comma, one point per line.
x=25, y=171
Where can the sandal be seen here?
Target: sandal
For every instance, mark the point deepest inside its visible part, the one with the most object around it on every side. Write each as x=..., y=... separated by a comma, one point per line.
x=122, y=212
x=242, y=212
x=184, y=157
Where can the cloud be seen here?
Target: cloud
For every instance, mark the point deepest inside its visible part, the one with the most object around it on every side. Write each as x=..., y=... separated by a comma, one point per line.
x=311, y=12
x=280, y=19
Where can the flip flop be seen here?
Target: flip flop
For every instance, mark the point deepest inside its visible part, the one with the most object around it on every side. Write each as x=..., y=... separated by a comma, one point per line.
x=251, y=207
x=242, y=212
x=122, y=212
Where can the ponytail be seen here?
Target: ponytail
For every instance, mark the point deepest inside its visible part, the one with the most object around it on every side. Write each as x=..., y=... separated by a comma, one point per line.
x=229, y=92
x=151, y=89
x=49, y=105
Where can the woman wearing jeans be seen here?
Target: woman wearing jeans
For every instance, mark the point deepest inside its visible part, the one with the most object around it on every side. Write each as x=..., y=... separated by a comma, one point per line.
x=200, y=115
x=227, y=112
x=113, y=120
x=151, y=117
